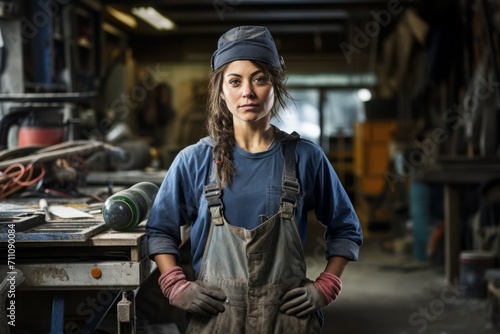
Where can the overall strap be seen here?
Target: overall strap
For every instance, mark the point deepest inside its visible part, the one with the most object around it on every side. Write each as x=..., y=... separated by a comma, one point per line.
x=213, y=193
x=290, y=184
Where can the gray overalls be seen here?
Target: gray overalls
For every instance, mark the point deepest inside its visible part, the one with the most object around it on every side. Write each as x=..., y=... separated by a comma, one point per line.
x=255, y=267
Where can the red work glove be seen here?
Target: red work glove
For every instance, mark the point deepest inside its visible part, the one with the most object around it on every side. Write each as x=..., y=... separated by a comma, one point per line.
x=312, y=296
x=190, y=296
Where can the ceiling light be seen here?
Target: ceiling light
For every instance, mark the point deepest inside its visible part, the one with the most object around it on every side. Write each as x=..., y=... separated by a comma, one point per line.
x=364, y=94
x=154, y=18
x=122, y=17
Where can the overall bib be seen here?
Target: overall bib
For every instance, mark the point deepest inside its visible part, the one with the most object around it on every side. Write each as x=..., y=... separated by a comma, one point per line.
x=255, y=268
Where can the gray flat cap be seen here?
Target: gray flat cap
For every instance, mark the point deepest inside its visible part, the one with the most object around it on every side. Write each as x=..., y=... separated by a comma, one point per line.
x=246, y=43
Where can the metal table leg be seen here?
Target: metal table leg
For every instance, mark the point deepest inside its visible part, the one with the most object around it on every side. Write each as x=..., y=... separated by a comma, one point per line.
x=57, y=322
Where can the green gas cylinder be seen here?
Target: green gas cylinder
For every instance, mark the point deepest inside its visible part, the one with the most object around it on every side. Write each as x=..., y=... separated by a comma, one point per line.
x=127, y=208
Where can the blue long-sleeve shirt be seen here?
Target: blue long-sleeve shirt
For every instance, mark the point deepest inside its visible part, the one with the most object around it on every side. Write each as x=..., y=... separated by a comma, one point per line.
x=255, y=191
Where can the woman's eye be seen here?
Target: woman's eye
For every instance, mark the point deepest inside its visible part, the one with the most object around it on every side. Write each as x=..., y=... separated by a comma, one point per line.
x=261, y=79
x=233, y=82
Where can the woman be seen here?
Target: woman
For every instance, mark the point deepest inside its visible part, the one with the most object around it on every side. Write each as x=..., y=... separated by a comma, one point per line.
x=246, y=191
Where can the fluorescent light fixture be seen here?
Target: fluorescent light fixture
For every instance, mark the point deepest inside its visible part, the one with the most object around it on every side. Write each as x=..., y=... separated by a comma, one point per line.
x=154, y=18
x=126, y=19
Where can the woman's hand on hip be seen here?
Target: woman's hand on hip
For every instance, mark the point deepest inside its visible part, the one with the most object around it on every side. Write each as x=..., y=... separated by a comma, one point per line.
x=312, y=296
x=190, y=296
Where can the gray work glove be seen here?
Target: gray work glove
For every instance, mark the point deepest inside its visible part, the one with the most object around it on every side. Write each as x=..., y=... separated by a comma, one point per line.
x=303, y=300
x=190, y=296
x=312, y=296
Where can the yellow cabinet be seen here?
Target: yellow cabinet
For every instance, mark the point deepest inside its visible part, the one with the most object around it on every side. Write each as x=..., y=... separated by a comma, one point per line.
x=371, y=162
x=371, y=154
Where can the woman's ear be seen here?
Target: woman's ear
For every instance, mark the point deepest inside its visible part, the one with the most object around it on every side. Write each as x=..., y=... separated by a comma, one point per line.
x=222, y=96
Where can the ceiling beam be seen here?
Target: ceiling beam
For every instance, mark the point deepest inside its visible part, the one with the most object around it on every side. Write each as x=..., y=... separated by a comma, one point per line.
x=274, y=28
x=259, y=15
x=235, y=3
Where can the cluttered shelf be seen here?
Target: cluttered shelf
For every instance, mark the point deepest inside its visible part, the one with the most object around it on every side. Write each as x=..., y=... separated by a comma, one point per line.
x=460, y=170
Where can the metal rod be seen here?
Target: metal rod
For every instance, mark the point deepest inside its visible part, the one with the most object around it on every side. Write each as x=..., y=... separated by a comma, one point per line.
x=51, y=155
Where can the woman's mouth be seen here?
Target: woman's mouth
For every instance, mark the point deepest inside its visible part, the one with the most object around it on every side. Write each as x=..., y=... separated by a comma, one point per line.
x=249, y=106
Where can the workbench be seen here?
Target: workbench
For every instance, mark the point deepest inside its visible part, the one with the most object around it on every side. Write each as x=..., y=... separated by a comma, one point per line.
x=457, y=175
x=91, y=261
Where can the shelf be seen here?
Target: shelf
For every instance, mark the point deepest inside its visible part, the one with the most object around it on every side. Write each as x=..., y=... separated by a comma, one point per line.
x=48, y=97
x=32, y=87
x=65, y=53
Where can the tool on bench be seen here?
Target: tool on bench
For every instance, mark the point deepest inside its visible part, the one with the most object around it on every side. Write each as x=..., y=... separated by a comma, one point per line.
x=127, y=208
x=45, y=207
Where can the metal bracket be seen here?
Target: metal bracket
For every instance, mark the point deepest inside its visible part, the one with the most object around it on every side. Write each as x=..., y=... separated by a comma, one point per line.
x=126, y=315
x=216, y=213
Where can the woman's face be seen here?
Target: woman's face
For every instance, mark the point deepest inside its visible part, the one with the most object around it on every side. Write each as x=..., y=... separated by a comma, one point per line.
x=247, y=91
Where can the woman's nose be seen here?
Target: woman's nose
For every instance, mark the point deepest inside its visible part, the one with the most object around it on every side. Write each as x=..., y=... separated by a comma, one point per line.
x=247, y=90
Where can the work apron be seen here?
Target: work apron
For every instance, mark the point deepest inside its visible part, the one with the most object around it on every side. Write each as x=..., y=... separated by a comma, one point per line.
x=255, y=268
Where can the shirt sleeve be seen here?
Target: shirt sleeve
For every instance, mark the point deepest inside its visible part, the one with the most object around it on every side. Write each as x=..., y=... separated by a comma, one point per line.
x=162, y=228
x=334, y=209
x=169, y=211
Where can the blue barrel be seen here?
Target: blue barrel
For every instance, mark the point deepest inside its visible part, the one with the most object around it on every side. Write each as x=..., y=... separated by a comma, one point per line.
x=426, y=208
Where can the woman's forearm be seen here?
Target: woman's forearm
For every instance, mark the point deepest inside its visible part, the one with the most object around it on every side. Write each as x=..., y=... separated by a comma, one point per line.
x=336, y=265
x=165, y=261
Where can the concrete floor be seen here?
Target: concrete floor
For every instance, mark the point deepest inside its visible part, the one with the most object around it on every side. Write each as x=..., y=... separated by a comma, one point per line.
x=381, y=295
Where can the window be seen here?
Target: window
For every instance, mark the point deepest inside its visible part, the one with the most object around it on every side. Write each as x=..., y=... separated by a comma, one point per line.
x=322, y=122
x=303, y=114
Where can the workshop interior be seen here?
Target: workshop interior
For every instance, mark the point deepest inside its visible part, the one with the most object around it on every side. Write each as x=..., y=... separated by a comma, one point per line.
x=97, y=97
